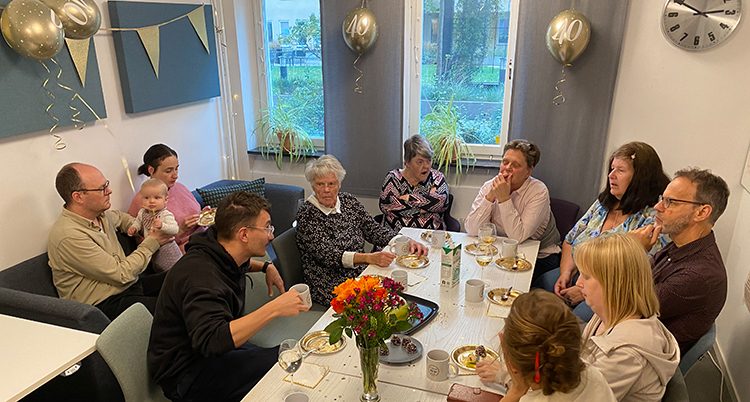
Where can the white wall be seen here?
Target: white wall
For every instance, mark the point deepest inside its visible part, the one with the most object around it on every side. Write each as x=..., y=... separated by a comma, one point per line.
x=692, y=108
x=30, y=203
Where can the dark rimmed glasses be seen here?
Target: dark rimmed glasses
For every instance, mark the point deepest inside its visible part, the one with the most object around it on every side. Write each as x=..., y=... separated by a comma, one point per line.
x=667, y=201
x=102, y=189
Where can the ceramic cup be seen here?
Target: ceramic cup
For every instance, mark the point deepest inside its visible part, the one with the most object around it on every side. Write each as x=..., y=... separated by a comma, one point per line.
x=439, y=366
x=400, y=276
x=296, y=397
x=438, y=238
x=474, y=290
x=510, y=247
x=401, y=246
x=304, y=293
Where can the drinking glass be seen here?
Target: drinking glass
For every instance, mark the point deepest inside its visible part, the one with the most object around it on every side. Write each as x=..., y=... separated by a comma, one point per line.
x=487, y=233
x=290, y=358
x=484, y=257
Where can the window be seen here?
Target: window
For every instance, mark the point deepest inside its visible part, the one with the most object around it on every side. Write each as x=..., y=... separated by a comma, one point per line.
x=295, y=77
x=464, y=53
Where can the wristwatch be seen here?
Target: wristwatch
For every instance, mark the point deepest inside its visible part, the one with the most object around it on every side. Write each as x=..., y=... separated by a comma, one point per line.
x=265, y=266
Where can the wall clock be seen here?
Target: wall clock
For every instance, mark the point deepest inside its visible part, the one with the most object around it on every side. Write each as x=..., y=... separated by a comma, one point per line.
x=700, y=24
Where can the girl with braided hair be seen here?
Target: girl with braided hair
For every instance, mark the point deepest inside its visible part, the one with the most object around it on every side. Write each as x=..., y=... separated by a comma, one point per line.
x=542, y=351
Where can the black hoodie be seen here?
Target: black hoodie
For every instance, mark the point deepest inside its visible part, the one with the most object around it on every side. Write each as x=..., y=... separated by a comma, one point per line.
x=201, y=294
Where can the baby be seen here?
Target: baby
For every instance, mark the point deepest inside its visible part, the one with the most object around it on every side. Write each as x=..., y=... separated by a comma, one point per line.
x=153, y=214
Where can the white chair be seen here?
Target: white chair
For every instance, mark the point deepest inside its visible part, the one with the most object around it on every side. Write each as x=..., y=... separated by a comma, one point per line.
x=123, y=345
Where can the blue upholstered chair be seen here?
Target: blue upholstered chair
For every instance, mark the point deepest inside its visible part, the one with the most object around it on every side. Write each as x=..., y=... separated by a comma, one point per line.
x=704, y=344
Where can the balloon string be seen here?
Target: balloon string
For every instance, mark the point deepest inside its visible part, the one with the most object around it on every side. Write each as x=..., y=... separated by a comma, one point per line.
x=59, y=145
x=363, y=4
x=357, y=87
x=560, y=95
x=74, y=118
x=573, y=7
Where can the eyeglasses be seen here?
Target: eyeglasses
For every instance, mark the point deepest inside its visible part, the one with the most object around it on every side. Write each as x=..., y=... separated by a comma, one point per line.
x=268, y=229
x=103, y=189
x=667, y=202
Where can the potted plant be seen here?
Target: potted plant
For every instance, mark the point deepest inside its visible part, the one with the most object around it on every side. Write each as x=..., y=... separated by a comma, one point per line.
x=440, y=128
x=281, y=128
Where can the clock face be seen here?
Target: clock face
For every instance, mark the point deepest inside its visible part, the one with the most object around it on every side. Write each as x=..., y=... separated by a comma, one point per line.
x=700, y=24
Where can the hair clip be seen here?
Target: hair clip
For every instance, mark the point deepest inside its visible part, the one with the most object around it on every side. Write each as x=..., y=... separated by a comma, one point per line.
x=537, y=376
x=632, y=156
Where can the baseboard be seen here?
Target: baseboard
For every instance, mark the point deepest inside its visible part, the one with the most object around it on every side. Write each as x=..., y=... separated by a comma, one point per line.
x=723, y=366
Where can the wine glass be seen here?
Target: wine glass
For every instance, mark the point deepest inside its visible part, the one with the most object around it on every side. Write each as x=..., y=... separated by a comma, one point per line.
x=484, y=257
x=290, y=358
x=487, y=233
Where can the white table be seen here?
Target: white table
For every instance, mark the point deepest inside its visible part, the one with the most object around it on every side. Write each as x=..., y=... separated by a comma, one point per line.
x=457, y=323
x=33, y=353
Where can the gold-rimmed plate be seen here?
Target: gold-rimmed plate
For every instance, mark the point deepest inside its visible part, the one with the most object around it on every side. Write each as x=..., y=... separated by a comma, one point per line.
x=475, y=249
x=507, y=264
x=206, y=218
x=318, y=342
x=413, y=261
x=496, y=296
x=427, y=236
x=465, y=357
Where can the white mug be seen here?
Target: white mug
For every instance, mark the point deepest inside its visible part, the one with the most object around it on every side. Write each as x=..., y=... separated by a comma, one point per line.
x=510, y=247
x=400, y=276
x=304, y=293
x=401, y=246
x=296, y=397
x=438, y=238
x=474, y=291
x=439, y=366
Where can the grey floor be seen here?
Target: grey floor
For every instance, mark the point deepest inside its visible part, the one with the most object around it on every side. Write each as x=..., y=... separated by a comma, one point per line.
x=704, y=382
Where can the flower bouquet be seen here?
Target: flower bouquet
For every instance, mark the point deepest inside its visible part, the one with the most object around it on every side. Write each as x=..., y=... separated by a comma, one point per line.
x=370, y=310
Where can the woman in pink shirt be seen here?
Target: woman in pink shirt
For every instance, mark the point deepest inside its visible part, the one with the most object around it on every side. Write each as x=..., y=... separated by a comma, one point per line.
x=160, y=162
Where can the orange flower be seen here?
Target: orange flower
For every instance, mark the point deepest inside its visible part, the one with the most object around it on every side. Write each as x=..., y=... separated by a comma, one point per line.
x=338, y=305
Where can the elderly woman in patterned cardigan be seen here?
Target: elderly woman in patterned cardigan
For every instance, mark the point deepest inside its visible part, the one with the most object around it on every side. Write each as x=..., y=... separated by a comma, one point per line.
x=332, y=228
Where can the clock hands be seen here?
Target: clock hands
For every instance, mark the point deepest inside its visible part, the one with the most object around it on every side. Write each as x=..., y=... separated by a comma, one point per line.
x=710, y=12
x=697, y=12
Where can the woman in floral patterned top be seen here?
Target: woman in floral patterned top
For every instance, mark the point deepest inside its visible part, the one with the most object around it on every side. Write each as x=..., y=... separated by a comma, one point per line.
x=635, y=181
x=416, y=196
x=332, y=228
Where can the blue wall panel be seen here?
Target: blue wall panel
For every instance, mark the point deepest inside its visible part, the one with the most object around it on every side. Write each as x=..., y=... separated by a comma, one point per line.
x=187, y=72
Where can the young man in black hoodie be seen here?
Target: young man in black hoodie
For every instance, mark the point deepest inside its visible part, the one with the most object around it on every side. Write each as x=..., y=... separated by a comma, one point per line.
x=199, y=347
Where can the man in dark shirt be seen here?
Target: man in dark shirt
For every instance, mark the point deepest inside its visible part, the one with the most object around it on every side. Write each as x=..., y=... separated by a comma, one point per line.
x=689, y=275
x=199, y=349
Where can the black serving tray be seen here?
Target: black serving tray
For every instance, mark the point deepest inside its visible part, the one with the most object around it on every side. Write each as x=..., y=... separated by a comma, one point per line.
x=429, y=310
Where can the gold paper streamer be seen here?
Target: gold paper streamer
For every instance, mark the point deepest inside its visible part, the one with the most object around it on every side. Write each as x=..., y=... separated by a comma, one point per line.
x=559, y=91
x=357, y=87
x=79, y=52
x=59, y=145
x=198, y=19
x=150, y=38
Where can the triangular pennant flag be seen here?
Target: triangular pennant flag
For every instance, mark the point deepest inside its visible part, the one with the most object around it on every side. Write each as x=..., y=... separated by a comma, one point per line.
x=150, y=38
x=79, y=52
x=198, y=19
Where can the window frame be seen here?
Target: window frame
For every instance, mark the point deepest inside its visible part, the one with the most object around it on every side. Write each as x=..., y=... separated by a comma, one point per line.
x=413, y=14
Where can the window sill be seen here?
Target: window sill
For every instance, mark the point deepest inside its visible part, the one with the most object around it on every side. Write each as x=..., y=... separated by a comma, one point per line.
x=480, y=163
x=265, y=151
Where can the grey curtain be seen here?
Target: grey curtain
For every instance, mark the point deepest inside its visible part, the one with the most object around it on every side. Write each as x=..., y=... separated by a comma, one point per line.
x=572, y=136
x=364, y=130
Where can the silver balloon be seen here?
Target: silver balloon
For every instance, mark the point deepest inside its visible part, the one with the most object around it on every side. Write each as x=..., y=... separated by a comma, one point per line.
x=80, y=18
x=32, y=29
x=567, y=36
x=360, y=30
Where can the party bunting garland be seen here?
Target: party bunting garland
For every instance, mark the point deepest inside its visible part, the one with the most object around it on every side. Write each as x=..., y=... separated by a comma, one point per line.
x=150, y=34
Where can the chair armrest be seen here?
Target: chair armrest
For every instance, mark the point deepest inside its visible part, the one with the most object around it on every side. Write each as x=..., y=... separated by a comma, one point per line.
x=52, y=310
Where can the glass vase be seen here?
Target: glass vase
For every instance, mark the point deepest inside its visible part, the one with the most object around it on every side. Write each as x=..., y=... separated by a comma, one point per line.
x=369, y=360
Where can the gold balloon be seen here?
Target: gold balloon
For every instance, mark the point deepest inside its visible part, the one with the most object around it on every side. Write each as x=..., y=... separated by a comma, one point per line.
x=32, y=29
x=360, y=30
x=80, y=18
x=568, y=35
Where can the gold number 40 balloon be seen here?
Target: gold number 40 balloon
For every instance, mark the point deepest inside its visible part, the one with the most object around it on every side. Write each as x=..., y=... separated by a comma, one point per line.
x=568, y=35
x=80, y=18
x=32, y=29
x=360, y=30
